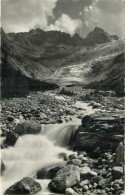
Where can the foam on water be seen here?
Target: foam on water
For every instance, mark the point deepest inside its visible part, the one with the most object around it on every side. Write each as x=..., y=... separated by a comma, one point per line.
x=33, y=152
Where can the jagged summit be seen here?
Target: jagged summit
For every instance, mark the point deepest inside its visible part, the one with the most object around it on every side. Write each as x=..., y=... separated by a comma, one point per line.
x=38, y=37
x=97, y=36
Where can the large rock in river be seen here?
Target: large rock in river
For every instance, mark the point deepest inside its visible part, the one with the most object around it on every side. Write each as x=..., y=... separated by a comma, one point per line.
x=99, y=130
x=25, y=186
x=11, y=138
x=28, y=127
x=65, y=178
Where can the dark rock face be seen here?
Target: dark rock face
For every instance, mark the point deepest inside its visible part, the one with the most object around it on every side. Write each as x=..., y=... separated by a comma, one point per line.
x=11, y=138
x=2, y=167
x=27, y=127
x=97, y=36
x=24, y=186
x=65, y=178
x=98, y=130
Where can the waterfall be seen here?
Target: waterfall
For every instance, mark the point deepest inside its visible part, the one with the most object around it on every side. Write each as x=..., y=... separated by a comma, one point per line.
x=33, y=152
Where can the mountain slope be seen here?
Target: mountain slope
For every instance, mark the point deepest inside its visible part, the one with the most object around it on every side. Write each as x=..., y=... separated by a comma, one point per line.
x=36, y=57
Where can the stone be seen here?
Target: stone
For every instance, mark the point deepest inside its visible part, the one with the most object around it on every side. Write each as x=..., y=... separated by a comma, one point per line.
x=47, y=173
x=27, y=127
x=25, y=186
x=11, y=138
x=117, y=137
x=70, y=191
x=85, y=188
x=10, y=118
x=117, y=172
x=63, y=156
x=86, y=119
x=84, y=171
x=83, y=183
x=76, y=162
x=72, y=156
x=2, y=167
x=120, y=153
x=65, y=178
x=95, y=179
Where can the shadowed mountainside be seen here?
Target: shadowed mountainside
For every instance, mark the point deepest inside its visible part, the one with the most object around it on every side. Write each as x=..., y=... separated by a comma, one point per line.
x=32, y=57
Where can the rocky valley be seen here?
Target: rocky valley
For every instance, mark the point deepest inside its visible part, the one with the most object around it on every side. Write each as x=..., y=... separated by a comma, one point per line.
x=62, y=113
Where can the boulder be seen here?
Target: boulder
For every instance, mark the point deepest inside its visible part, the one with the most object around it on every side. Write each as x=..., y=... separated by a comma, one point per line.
x=11, y=138
x=25, y=186
x=65, y=178
x=117, y=172
x=27, y=127
x=120, y=153
x=99, y=130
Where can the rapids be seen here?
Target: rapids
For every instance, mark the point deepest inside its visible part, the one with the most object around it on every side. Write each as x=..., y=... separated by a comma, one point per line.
x=33, y=152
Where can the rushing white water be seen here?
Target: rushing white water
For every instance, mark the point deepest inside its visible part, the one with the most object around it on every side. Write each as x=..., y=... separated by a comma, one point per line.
x=33, y=152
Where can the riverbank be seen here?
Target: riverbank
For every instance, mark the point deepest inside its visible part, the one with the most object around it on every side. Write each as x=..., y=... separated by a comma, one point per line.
x=64, y=123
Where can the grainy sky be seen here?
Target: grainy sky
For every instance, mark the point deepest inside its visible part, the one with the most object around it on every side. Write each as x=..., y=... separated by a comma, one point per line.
x=70, y=16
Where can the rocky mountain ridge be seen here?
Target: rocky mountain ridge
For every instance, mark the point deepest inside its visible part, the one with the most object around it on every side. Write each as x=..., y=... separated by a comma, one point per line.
x=38, y=37
x=36, y=55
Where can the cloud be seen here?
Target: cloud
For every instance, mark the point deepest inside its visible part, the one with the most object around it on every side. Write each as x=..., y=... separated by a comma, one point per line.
x=107, y=14
x=65, y=24
x=22, y=15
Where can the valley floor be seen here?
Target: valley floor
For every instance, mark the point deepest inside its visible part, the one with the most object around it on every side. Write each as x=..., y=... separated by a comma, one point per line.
x=88, y=122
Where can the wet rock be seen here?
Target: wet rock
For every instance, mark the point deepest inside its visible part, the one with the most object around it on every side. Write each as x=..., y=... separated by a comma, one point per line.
x=47, y=173
x=28, y=127
x=70, y=191
x=11, y=138
x=10, y=118
x=72, y=156
x=25, y=186
x=65, y=178
x=120, y=153
x=86, y=119
x=50, y=172
x=76, y=162
x=70, y=112
x=63, y=156
x=117, y=172
x=59, y=121
x=2, y=167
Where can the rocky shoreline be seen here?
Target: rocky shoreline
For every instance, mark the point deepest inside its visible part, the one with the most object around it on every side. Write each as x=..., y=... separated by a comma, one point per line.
x=96, y=167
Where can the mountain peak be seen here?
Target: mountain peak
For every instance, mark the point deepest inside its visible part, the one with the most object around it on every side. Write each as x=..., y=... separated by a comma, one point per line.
x=97, y=36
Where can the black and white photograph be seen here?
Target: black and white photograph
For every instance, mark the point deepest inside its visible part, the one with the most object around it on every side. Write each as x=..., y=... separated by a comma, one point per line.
x=62, y=97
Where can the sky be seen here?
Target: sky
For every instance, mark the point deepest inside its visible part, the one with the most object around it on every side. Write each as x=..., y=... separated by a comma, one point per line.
x=70, y=16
